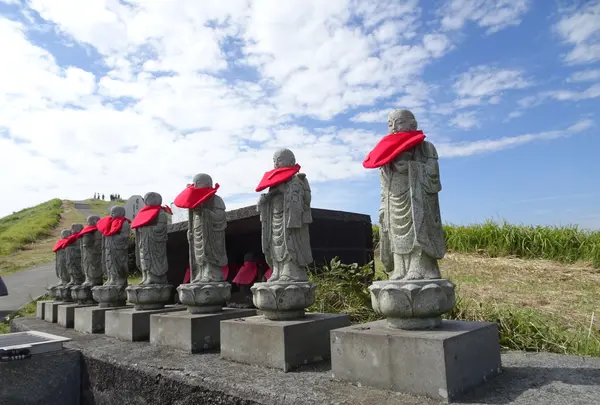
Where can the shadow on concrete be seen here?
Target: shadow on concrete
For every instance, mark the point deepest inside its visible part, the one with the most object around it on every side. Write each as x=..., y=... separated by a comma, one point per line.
x=514, y=381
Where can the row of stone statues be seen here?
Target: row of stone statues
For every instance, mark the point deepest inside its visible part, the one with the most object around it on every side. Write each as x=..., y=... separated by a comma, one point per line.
x=412, y=239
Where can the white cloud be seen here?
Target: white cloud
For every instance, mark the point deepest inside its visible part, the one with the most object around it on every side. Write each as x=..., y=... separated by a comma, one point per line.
x=467, y=120
x=585, y=76
x=581, y=30
x=170, y=89
x=493, y=15
x=484, y=81
x=492, y=145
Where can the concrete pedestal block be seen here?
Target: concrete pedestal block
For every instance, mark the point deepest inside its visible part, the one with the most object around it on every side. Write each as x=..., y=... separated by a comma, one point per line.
x=66, y=314
x=192, y=333
x=280, y=344
x=39, y=310
x=51, y=310
x=132, y=325
x=441, y=363
x=91, y=319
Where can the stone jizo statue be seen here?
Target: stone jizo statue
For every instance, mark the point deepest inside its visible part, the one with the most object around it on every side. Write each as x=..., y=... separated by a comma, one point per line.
x=73, y=256
x=207, y=291
x=412, y=239
x=116, y=230
x=61, y=258
x=151, y=237
x=91, y=243
x=285, y=215
x=206, y=234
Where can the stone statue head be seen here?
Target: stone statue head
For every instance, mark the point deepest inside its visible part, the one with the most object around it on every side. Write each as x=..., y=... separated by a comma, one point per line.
x=117, y=211
x=153, y=198
x=76, y=228
x=65, y=233
x=283, y=158
x=401, y=121
x=93, y=219
x=202, y=180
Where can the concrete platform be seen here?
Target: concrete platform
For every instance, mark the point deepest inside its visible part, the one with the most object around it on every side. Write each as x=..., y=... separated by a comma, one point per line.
x=192, y=333
x=51, y=310
x=91, y=319
x=280, y=344
x=119, y=372
x=66, y=314
x=131, y=325
x=442, y=363
x=39, y=309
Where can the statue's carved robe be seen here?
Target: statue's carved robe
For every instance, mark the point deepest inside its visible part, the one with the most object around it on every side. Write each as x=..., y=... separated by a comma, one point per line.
x=285, y=217
x=92, y=257
x=74, y=264
x=410, y=212
x=116, y=254
x=151, y=240
x=207, y=223
x=61, y=267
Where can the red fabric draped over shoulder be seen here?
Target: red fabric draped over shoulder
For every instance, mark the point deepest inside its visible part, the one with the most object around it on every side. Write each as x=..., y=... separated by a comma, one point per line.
x=277, y=176
x=192, y=196
x=391, y=146
x=109, y=226
x=59, y=244
x=147, y=214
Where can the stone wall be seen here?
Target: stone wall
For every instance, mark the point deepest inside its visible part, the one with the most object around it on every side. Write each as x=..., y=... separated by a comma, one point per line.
x=333, y=233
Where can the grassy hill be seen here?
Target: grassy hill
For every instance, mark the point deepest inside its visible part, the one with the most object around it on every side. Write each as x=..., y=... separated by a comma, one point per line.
x=27, y=236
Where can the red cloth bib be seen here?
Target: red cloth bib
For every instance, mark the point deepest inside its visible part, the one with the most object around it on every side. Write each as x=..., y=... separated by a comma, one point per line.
x=59, y=244
x=247, y=274
x=71, y=239
x=110, y=226
x=147, y=214
x=268, y=274
x=88, y=229
x=192, y=196
x=391, y=146
x=277, y=176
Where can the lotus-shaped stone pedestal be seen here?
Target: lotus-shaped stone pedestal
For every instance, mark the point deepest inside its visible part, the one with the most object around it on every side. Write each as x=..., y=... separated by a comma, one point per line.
x=413, y=304
x=82, y=294
x=283, y=300
x=149, y=296
x=204, y=298
x=108, y=296
x=52, y=291
x=63, y=293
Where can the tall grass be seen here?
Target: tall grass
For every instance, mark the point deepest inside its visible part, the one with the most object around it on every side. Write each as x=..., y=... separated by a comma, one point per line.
x=566, y=244
x=28, y=225
x=342, y=289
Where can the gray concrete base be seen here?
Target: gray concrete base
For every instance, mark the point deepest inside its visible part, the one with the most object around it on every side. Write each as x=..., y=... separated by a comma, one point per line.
x=39, y=309
x=192, y=332
x=441, y=363
x=51, y=310
x=91, y=319
x=280, y=344
x=132, y=325
x=66, y=314
x=50, y=378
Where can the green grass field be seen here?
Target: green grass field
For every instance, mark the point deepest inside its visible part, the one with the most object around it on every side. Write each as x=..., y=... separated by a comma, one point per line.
x=28, y=226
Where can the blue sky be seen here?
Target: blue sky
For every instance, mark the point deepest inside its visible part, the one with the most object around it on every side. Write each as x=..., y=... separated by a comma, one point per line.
x=133, y=96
